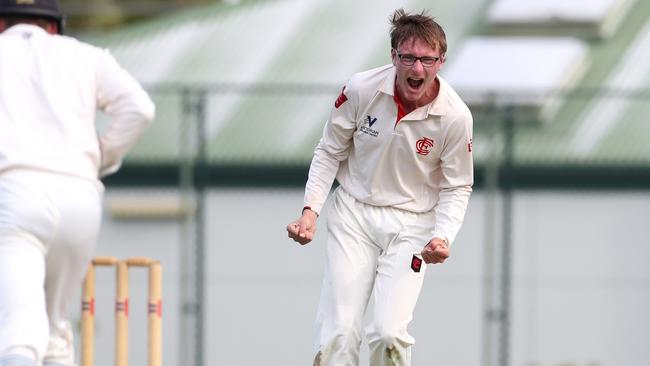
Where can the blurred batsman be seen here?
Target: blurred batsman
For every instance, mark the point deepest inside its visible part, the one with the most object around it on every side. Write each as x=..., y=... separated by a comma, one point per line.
x=51, y=159
x=399, y=142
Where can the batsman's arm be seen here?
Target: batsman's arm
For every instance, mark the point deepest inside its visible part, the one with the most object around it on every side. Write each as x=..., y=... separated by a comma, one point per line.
x=129, y=107
x=332, y=148
x=457, y=178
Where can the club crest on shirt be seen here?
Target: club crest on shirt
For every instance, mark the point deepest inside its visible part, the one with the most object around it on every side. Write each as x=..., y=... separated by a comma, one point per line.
x=423, y=146
x=367, y=124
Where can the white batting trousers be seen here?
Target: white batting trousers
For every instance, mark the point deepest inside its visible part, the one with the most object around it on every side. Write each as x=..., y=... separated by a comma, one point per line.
x=369, y=251
x=48, y=228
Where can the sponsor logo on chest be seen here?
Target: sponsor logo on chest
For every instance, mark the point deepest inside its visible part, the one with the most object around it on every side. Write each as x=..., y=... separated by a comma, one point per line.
x=367, y=126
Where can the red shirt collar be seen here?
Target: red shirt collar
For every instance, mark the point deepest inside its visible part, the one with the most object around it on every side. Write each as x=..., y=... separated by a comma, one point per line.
x=400, y=107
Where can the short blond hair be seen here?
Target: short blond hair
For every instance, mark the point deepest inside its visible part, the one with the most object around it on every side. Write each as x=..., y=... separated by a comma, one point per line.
x=405, y=26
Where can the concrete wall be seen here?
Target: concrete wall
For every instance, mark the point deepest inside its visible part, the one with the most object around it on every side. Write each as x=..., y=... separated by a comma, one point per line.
x=581, y=287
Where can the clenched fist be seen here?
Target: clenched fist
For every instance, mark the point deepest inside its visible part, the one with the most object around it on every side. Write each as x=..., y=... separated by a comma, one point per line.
x=436, y=251
x=303, y=229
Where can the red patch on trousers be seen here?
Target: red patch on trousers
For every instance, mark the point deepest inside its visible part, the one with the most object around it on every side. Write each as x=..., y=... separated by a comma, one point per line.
x=416, y=264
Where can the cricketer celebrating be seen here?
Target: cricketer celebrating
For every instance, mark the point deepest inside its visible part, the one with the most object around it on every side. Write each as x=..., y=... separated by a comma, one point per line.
x=399, y=142
x=51, y=158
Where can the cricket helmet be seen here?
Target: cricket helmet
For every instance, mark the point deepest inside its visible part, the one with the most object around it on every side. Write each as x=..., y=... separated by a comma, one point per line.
x=47, y=9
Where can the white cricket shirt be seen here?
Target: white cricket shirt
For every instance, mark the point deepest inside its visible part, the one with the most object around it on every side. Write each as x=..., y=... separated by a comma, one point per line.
x=50, y=88
x=420, y=163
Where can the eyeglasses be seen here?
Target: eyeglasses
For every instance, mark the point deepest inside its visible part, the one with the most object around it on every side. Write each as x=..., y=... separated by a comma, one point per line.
x=409, y=60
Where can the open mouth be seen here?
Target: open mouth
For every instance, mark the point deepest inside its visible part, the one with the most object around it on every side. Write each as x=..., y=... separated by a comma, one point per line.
x=415, y=83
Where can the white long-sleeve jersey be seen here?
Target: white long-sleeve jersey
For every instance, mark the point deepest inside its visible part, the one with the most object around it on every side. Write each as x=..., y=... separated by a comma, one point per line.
x=419, y=163
x=50, y=89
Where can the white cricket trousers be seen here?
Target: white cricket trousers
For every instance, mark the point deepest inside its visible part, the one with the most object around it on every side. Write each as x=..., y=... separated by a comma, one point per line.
x=48, y=228
x=369, y=248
